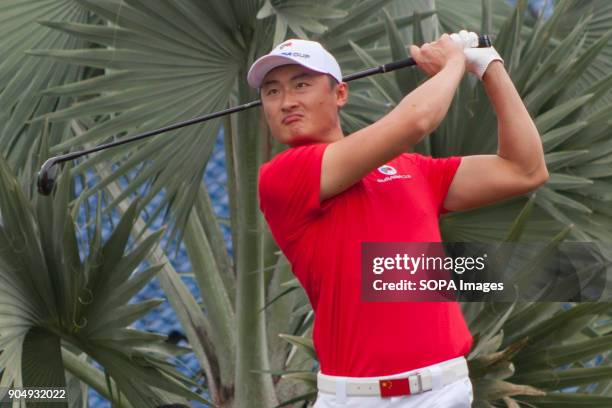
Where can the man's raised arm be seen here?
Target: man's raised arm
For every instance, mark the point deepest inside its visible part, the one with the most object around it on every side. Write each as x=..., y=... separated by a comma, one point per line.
x=517, y=168
x=348, y=160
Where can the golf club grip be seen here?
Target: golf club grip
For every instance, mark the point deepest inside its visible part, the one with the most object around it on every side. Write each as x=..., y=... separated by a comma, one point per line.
x=484, y=41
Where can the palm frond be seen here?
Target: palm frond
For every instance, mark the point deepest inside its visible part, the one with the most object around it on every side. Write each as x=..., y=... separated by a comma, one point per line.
x=51, y=295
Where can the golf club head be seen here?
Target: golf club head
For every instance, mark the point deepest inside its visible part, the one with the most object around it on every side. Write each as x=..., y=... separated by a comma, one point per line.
x=47, y=176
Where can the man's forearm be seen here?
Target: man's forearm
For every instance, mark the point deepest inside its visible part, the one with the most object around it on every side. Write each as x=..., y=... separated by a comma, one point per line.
x=430, y=100
x=518, y=137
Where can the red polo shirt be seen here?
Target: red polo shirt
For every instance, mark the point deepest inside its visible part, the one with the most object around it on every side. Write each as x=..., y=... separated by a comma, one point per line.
x=322, y=241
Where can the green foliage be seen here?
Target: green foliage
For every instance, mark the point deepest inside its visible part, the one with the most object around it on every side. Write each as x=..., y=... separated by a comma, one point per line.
x=49, y=296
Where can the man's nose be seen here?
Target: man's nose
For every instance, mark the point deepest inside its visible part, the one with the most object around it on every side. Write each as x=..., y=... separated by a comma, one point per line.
x=289, y=102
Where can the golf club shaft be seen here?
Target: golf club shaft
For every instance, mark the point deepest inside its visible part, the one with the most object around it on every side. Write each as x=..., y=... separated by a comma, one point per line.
x=483, y=41
x=69, y=156
x=392, y=66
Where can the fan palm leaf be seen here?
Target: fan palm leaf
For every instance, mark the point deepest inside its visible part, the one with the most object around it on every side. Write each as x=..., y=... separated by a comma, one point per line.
x=50, y=296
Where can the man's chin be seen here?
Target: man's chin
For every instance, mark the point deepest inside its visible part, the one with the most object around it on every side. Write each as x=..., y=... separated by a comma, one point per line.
x=301, y=140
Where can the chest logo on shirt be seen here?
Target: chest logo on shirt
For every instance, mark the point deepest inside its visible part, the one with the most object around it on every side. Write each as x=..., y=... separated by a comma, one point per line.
x=387, y=170
x=391, y=174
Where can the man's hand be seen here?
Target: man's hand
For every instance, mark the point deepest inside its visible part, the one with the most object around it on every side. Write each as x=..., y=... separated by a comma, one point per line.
x=433, y=57
x=478, y=59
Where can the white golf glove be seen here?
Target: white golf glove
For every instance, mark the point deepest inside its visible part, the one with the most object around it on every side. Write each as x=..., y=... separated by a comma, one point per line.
x=478, y=59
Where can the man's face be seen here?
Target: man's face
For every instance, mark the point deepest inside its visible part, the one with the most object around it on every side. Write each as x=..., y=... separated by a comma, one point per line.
x=301, y=106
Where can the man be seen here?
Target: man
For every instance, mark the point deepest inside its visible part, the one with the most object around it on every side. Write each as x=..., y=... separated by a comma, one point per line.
x=327, y=194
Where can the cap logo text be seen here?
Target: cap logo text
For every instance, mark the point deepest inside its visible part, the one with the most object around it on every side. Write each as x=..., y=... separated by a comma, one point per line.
x=295, y=54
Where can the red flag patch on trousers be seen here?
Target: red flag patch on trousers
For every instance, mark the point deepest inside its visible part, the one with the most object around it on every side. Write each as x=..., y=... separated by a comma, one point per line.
x=394, y=387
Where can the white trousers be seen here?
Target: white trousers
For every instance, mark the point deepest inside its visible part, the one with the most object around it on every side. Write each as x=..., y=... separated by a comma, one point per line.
x=457, y=394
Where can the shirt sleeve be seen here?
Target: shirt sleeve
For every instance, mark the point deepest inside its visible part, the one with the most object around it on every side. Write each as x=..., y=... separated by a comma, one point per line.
x=289, y=190
x=439, y=173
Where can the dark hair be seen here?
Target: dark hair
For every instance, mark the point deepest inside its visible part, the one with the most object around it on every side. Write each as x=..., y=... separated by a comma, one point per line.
x=332, y=81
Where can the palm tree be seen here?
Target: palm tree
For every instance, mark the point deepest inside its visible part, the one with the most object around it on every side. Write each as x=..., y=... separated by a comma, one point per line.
x=55, y=306
x=111, y=69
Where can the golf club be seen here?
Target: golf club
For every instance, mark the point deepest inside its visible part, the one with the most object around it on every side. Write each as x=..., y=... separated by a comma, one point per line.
x=49, y=170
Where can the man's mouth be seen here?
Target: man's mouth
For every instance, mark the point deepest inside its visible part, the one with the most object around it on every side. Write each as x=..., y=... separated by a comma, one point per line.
x=291, y=118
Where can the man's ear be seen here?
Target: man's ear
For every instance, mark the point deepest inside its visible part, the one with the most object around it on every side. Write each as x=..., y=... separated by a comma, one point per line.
x=341, y=94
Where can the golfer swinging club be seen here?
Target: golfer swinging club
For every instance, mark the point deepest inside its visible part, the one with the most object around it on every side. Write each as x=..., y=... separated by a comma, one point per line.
x=328, y=193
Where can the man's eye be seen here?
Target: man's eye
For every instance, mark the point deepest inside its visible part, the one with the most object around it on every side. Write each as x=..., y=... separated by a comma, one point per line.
x=271, y=91
x=299, y=85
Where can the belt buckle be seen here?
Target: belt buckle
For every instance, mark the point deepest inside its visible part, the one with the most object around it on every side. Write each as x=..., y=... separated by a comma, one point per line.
x=417, y=385
x=419, y=382
x=412, y=384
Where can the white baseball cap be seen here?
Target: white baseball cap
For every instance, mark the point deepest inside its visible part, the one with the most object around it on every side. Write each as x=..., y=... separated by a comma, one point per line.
x=309, y=54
